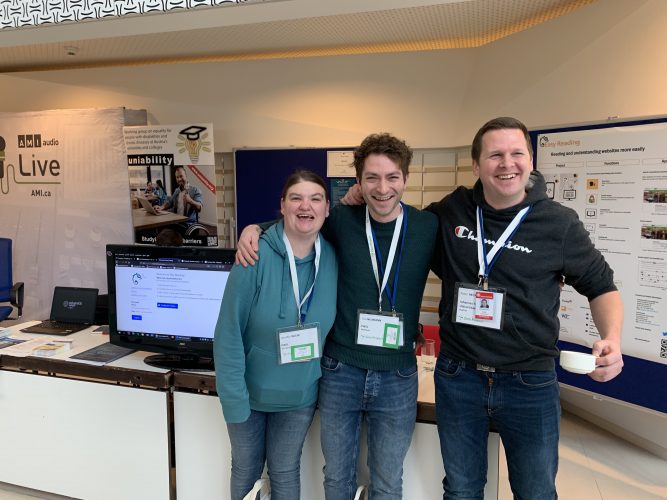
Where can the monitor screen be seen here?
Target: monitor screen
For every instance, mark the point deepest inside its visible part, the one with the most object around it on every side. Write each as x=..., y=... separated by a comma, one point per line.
x=167, y=300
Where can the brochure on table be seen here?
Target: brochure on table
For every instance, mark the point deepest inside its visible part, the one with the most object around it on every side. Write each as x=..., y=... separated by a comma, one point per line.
x=80, y=342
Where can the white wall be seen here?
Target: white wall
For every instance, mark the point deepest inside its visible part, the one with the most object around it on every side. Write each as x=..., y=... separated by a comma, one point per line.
x=304, y=102
x=604, y=59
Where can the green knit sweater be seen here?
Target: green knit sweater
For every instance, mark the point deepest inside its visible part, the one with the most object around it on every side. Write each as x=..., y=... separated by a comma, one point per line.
x=357, y=289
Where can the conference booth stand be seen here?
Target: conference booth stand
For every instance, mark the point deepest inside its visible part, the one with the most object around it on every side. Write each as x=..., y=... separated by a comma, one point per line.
x=129, y=430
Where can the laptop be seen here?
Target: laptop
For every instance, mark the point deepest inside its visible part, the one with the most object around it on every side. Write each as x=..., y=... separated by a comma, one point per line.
x=72, y=310
x=150, y=208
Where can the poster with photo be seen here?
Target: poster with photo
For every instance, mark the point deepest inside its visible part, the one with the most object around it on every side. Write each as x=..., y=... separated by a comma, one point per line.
x=172, y=184
x=616, y=180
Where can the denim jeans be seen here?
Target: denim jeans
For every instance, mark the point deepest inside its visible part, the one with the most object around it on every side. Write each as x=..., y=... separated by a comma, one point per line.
x=276, y=437
x=525, y=409
x=388, y=400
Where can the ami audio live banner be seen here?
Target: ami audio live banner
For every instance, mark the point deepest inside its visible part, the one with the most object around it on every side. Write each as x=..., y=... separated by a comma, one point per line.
x=63, y=197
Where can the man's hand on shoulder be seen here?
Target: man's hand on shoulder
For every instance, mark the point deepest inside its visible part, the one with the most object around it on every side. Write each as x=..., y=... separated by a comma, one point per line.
x=248, y=246
x=353, y=196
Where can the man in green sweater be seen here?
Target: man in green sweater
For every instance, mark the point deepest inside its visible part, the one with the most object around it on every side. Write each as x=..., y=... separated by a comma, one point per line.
x=369, y=366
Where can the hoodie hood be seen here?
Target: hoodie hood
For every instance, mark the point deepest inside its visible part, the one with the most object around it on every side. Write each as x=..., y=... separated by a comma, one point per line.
x=274, y=237
x=536, y=190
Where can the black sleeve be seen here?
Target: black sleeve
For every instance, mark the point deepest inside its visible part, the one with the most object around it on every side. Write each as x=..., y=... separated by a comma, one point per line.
x=266, y=225
x=328, y=230
x=584, y=267
x=437, y=257
x=438, y=247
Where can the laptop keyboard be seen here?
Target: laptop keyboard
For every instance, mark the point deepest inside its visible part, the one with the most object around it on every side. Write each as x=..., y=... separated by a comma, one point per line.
x=61, y=325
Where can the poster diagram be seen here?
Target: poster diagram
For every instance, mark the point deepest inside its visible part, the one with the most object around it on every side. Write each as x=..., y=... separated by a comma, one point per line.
x=616, y=180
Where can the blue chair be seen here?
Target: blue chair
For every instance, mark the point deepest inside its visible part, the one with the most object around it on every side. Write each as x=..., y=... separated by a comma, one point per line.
x=9, y=291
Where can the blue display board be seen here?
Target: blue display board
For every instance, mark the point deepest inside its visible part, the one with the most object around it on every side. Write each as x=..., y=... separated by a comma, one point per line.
x=261, y=173
x=642, y=382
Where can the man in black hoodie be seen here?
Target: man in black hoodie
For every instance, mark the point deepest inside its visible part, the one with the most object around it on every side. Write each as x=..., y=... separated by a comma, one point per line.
x=505, y=243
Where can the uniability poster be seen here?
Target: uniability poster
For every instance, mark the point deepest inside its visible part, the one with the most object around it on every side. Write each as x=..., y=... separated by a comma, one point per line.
x=616, y=180
x=172, y=184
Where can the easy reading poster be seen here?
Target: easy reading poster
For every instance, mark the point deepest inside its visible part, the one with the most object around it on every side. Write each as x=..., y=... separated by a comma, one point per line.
x=616, y=180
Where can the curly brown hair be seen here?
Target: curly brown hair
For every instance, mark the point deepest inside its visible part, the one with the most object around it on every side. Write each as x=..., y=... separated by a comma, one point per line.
x=383, y=144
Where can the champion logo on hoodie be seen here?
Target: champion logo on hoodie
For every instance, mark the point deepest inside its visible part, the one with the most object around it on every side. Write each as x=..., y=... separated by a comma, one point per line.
x=467, y=234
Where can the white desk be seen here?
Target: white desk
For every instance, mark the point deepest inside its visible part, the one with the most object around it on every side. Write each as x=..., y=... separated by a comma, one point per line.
x=83, y=438
x=203, y=453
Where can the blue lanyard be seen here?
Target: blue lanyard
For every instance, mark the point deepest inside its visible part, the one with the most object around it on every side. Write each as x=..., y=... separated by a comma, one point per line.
x=392, y=292
x=304, y=311
x=499, y=247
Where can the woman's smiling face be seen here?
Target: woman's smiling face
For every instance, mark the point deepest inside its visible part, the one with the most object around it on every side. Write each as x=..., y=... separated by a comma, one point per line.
x=304, y=209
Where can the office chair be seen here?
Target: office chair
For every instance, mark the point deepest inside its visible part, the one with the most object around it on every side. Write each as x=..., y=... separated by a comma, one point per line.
x=9, y=291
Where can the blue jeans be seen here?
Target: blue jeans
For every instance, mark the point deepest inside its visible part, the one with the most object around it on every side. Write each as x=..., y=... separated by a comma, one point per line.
x=276, y=437
x=388, y=399
x=525, y=409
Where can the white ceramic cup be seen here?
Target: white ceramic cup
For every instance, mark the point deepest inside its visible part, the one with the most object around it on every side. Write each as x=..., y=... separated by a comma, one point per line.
x=577, y=362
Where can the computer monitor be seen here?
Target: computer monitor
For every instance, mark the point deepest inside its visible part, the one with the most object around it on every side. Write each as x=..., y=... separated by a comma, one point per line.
x=167, y=300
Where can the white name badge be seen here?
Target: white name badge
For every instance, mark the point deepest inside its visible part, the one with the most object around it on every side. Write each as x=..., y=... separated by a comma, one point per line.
x=298, y=343
x=478, y=307
x=379, y=329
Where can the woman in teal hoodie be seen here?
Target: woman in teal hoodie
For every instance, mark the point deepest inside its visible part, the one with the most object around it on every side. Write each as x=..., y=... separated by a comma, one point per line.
x=273, y=321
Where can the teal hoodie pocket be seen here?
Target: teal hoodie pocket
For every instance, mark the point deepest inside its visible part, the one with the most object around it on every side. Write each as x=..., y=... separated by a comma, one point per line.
x=284, y=386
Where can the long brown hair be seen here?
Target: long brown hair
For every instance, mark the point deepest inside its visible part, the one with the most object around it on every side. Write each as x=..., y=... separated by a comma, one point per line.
x=304, y=176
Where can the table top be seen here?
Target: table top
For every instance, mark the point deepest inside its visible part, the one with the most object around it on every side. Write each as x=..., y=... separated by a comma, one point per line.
x=205, y=382
x=129, y=369
x=143, y=220
x=132, y=370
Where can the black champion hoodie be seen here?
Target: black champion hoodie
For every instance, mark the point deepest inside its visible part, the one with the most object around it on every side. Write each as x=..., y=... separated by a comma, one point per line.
x=550, y=243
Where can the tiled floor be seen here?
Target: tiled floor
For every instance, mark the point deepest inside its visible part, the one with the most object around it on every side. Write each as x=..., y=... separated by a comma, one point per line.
x=10, y=492
x=594, y=465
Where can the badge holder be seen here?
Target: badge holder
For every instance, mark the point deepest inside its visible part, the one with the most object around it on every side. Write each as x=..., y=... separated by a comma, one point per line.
x=298, y=343
x=474, y=305
x=379, y=328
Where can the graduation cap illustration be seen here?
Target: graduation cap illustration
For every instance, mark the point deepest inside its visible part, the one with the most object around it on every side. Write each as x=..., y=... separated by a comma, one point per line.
x=194, y=140
x=192, y=132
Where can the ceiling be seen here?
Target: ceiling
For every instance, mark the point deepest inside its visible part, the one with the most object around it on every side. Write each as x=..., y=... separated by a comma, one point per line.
x=274, y=29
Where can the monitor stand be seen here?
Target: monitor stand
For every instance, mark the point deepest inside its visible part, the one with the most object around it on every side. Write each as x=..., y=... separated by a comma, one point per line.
x=180, y=362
